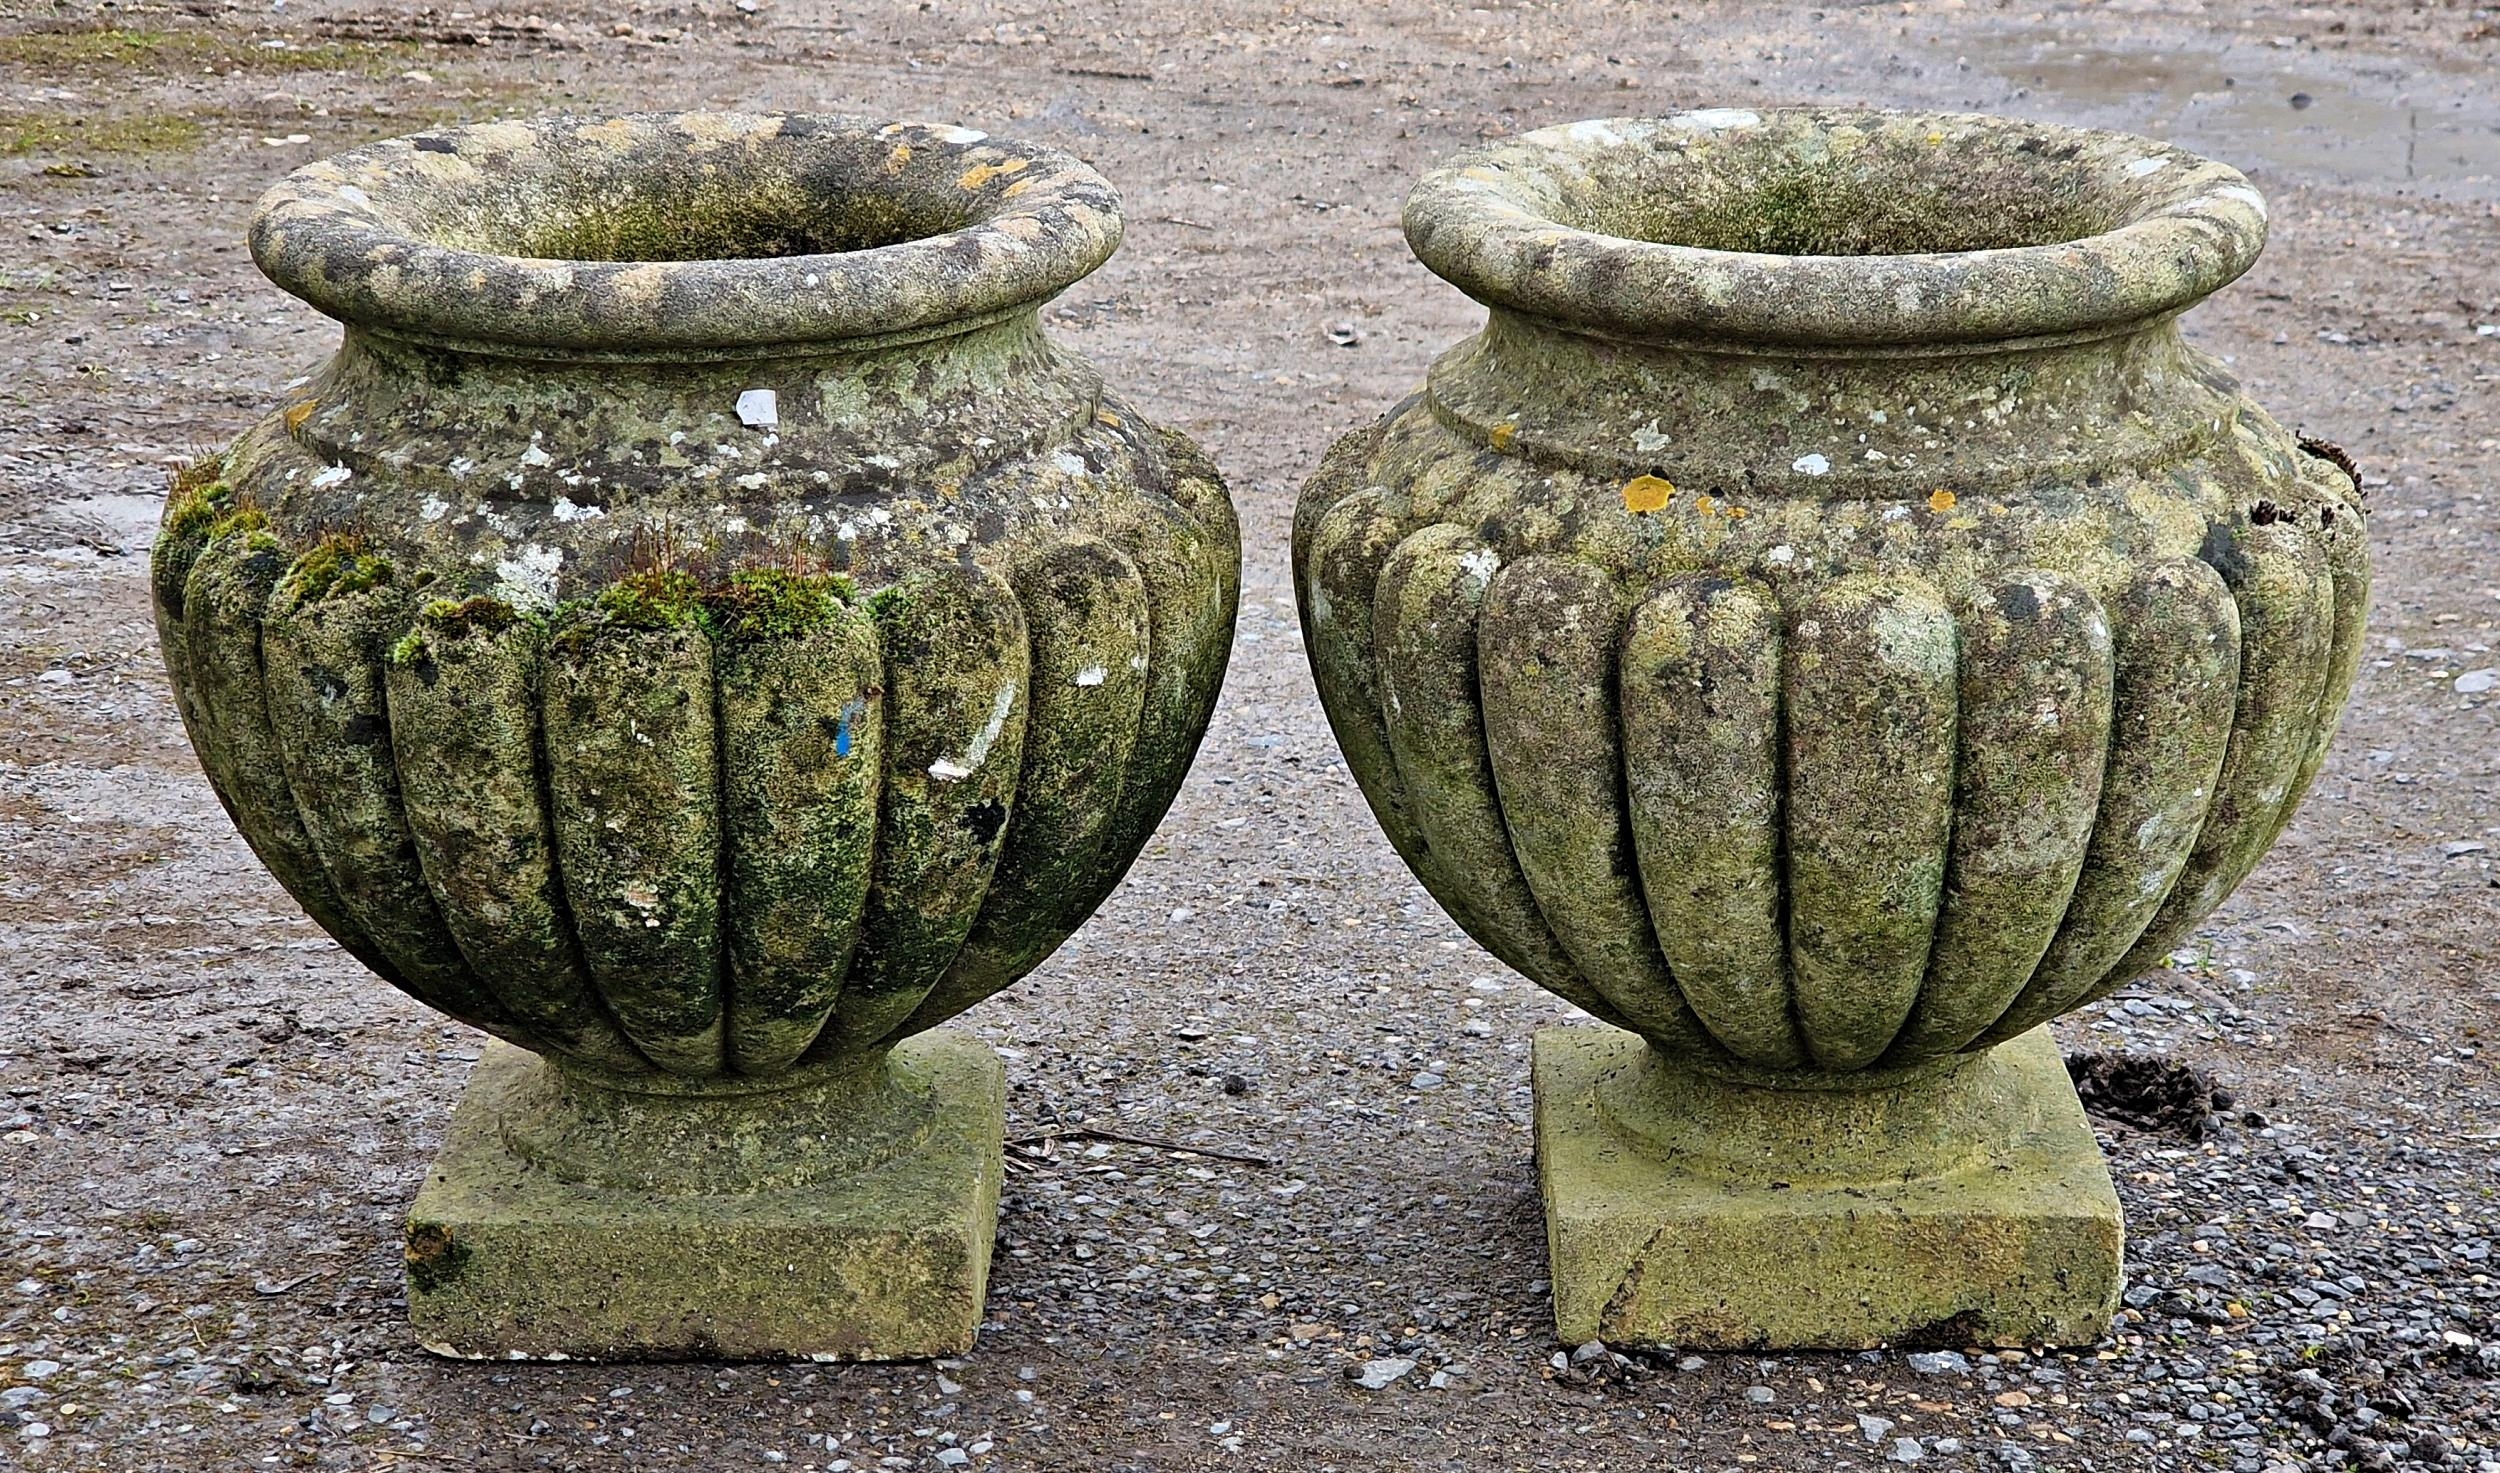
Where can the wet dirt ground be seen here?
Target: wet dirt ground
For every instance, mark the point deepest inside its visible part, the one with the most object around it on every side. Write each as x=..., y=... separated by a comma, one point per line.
x=213, y=1119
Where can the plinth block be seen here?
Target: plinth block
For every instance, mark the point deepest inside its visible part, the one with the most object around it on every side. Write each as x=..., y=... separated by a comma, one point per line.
x=847, y=1218
x=1967, y=1205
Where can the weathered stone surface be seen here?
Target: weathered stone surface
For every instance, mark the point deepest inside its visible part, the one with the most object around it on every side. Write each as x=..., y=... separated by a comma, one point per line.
x=1829, y=619
x=1965, y=1204
x=845, y=1219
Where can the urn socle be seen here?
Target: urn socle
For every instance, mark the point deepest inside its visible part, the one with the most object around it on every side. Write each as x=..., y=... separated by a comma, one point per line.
x=699, y=630
x=1827, y=624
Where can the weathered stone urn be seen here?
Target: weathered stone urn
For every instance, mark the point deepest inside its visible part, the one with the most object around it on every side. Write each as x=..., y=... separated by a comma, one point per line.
x=699, y=630
x=1826, y=625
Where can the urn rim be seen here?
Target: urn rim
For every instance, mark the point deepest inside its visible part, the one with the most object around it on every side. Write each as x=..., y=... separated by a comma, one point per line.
x=688, y=232
x=1795, y=235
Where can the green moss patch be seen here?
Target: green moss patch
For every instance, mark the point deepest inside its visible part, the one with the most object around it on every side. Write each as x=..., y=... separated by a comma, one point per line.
x=653, y=598
x=338, y=566
x=138, y=133
x=122, y=48
x=772, y=603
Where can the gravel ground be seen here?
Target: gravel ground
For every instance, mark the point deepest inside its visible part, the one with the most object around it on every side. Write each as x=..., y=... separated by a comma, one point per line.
x=213, y=1120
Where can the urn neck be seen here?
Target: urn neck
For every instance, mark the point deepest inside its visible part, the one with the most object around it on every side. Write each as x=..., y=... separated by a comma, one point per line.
x=804, y=421
x=1732, y=422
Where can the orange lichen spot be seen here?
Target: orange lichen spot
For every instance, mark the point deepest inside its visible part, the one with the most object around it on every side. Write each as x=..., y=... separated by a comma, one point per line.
x=1106, y=417
x=1941, y=500
x=895, y=161
x=1502, y=434
x=1706, y=505
x=1647, y=494
x=1737, y=513
x=296, y=413
x=980, y=174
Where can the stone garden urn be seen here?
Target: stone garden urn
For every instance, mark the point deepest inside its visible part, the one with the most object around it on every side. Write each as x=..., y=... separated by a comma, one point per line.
x=1826, y=625
x=700, y=631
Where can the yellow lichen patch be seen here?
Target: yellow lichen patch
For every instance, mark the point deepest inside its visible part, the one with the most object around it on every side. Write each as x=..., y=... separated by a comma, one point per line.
x=297, y=413
x=1643, y=494
x=1706, y=505
x=1106, y=417
x=1941, y=500
x=1502, y=434
x=980, y=174
x=895, y=161
x=617, y=134
x=1737, y=513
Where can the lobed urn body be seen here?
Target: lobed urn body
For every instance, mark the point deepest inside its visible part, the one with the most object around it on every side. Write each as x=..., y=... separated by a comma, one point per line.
x=1828, y=620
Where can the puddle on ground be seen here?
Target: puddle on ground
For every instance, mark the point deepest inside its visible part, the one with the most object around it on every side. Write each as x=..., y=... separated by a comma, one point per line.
x=2262, y=106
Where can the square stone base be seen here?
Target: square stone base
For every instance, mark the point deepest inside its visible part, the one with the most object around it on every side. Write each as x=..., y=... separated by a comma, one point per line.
x=505, y=1261
x=1796, y=1234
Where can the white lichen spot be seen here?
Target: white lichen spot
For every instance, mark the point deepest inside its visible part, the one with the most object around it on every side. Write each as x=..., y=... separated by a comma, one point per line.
x=527, y=579
x=1593, y=131
x=1649, y=439
x=1906, y=297
x=753, y=481
x=1092, y=675
x=1715, y=119
x=537, y=455
x=957, y=534
x=1481, y=565
x=568, y=510
x=811, y=279
x=1780, y=556
x=433, y=509
x=337, y=475
x=1895, y=513
x=759, y=409
x=2141, y=167
x=1070, y=463
x=1137, y=662
x=355, y=196
x=726, y=451
x=947, y=770
x=1878, y=417
x=1812, y=465
x=677, y=437
x=949, y=133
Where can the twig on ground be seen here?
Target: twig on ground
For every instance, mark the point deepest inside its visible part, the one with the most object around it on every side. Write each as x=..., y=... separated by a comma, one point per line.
x=1089, y=1133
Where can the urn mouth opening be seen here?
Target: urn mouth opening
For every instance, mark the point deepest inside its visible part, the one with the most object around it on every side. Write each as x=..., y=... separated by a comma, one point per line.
x=1807, y=228
x=711, y=233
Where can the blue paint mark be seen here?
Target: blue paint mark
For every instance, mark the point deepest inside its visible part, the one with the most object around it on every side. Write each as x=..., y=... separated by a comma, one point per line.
x=842, y=731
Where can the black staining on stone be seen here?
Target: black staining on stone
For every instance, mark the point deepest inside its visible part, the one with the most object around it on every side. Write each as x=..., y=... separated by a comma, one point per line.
x=984, y=820
x=429, y=143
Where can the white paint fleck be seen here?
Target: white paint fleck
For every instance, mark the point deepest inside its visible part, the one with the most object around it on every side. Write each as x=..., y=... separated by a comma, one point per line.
x=759, y=409
x=1812, y=465
x=337, y=475
x=1092, y=675
x=948, y=769
x=568, y=510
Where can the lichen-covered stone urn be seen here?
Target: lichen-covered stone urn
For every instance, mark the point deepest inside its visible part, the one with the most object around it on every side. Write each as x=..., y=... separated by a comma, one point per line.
x=1827, y=624
x=699, y=630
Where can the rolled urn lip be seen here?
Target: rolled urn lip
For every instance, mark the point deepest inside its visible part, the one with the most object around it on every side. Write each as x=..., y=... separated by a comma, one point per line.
x=1502, y=223
x=430, y=236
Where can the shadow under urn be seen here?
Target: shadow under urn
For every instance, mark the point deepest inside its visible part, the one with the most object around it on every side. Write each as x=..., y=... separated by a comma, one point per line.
x=1826, y=625
x=698, y=630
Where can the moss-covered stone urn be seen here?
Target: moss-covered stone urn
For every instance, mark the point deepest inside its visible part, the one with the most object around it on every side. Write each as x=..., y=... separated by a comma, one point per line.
x=1827, y=624
x=700, y=631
